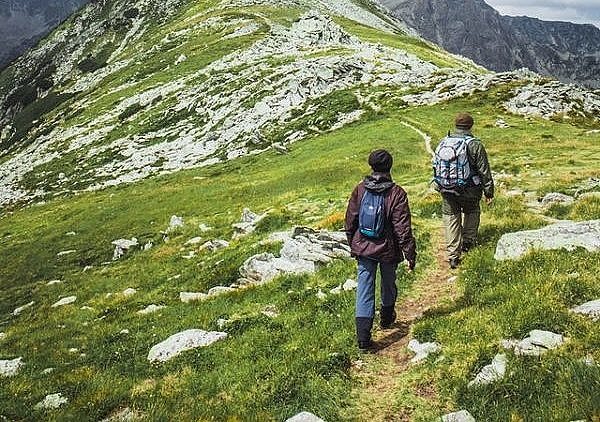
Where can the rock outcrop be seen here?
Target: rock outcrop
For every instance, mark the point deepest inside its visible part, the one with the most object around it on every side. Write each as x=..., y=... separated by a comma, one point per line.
x=590, y=309
x=563, y=235
x=180, y=342
x=10, y=368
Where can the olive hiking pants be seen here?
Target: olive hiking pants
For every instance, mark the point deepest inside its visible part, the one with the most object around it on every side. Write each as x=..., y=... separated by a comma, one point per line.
x=461, y=216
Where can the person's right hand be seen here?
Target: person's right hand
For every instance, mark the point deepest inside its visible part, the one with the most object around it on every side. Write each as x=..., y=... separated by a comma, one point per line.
x=411, y=265
x=489, y=200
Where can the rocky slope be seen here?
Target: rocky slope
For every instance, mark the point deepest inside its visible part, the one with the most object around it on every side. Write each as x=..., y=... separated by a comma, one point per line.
x=125, y=91
x=23, y=24
x=566, y=51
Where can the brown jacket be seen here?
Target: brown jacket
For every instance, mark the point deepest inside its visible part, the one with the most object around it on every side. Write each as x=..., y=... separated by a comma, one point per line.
x=398, y=243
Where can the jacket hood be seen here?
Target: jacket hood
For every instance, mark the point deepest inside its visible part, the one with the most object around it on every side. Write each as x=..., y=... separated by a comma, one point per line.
x=378, y=182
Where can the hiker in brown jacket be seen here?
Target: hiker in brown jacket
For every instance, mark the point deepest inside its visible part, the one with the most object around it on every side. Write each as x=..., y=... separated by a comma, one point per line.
x=394, y=245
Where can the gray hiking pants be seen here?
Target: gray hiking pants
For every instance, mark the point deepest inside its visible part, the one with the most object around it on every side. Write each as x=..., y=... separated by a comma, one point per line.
x=461, y=215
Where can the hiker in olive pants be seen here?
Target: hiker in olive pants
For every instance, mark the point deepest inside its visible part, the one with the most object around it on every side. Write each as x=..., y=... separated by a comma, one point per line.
x=460, y=207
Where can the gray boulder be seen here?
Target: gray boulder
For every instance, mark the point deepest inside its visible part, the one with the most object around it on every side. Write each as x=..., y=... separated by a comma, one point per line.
x=490, y=373
x=557, y=198
x=52, y=401
x=65, y=301
x=180, y=342
x=564, y=235
x=122, y=246
x=461, y=416
x=304, y=417
x=537, y=343
x=591, y=309
x=20, y=309
x=10, y=368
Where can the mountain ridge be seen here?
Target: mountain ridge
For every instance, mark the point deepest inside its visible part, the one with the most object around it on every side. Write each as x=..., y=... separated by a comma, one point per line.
x=567, y=51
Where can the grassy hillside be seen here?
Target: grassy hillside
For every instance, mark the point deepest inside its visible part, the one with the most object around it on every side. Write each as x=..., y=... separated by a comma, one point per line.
x=304, y=358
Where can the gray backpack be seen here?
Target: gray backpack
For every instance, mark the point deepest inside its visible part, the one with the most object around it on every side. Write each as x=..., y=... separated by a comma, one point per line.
x=451, y=167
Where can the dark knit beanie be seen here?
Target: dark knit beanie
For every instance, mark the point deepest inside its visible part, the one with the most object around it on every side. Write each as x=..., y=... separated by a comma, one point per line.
x=381, y=161
x=464, y=121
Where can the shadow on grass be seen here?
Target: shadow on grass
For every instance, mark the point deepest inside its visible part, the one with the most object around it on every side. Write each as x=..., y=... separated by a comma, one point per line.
x=400, y=330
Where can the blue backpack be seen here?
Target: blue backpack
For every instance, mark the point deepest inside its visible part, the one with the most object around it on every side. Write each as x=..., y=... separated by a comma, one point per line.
x=371, y=218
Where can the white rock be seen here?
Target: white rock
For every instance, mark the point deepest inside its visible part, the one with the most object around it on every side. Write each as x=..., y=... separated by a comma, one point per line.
x=490, y=373
x=537, y=343
x=65, y=301
x=204, y=228
x=220, y=290
x=349, y=285
x=175, y=223
x=129, y=292
x=53, y=282
x=2, y=336
x=122, y=246
x=124, y=415
x=591, y=309
x=222, y=323
x=73, y=350
x=453, y=279
x=557, y=198
x=47, y=371
x=461, y=416
x=180, y=342
x=10, y=368
x=270, y=311
x=180, y=59
x=304, y=417
x=214, y=245
x=336, y=290
x=193, y=241
x=187, y=297
x=563, y=235
x=422, y=350
x=150, y=309
x=124, y=331
x=52, y=401
x=321, y=295
x=86, y=308
x=65, y=253
x=20, y=309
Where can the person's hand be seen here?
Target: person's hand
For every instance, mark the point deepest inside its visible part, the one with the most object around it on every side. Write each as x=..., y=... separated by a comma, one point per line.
x=489, y=200
x=411, y=265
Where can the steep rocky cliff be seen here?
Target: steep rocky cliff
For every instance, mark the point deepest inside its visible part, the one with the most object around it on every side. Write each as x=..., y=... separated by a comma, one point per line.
x=566, y=51
x=24, y=23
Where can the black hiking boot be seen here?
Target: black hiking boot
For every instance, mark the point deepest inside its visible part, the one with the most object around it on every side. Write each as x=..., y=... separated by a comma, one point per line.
x=363, y=334
x=467, y=246
x=387, y=316
x=454, y=263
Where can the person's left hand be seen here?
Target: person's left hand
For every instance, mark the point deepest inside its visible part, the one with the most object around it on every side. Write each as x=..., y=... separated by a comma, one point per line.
x=489, y=200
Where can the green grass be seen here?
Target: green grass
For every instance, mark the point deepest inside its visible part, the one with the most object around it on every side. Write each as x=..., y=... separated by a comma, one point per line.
x=270, y=369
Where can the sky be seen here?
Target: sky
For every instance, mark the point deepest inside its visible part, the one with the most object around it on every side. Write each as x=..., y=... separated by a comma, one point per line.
x=578, y=11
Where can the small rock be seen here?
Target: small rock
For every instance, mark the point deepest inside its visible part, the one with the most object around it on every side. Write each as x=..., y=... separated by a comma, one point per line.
x=10, y=368
x=270, y=311
x=193, y=241
x=537, y=343
x=422, y=350
x=122, y=246
x=53, y=282
x=180, y=59
x=349, y=285
x=557, y=198
x=222, y=323
x=52, y=401
x=47, y=371
x=214, y=245
x=304, y=417
x=247, y=223
x=65, y=301
x=490, y=373
x=187, y=297
x=461, y=416
x=22, y=308
x=71, y=234
x=453, y=279
x=590, y=309
x=336, y=290
x=124, y=331
x=129, y=292
x=151, y=309
x=500, y=123
x=86, y=308
x=2, y=336
x=180, y=342
x=124, y=415
x=321, y=295
x=219, y=290
x=175, y=223
x=65, y=253
x=73, y=350
x=204, y=228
